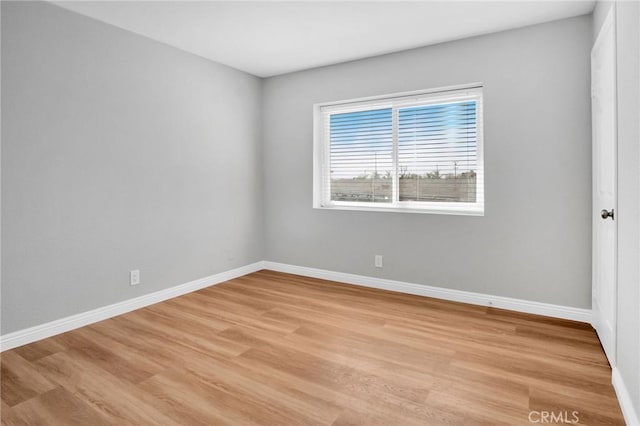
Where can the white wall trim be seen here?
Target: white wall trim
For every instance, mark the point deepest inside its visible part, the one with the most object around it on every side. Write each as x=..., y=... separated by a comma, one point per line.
x=539, y=308
x=42, y=331
x=626, y=403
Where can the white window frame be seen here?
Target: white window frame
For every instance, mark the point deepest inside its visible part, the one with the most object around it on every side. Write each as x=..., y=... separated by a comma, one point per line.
x=321, y=150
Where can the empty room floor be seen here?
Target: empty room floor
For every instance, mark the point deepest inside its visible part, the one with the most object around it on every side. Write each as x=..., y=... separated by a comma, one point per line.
x=279, y=349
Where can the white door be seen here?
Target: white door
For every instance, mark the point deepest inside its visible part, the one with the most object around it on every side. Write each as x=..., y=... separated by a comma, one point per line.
x=604, y=125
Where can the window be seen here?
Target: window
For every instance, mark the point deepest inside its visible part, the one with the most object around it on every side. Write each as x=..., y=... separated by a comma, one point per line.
x=416, y=152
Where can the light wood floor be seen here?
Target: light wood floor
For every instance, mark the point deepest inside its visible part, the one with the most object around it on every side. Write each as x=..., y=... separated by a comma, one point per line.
x=278, y=349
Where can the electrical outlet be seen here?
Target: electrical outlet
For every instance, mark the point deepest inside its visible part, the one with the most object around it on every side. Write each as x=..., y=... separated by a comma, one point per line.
x=378, y=261
x=134, y=277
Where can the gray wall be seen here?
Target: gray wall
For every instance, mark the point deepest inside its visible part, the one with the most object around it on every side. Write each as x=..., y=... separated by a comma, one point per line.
x=534, y=241
x=128, y=154
x=628, y=212
x=119, y=153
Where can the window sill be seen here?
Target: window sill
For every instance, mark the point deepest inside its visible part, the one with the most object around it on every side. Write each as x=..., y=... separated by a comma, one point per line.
x=459, y=211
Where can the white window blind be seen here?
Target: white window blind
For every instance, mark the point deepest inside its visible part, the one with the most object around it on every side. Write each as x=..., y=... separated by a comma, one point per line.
x=361, y=160
x=419, y=152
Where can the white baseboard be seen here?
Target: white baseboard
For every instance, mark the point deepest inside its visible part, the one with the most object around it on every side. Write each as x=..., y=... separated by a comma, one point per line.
x=556, y=311
x=626, y=403
x=42, y=331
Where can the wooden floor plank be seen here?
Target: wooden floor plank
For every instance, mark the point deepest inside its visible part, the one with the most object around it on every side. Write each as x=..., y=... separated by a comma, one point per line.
x=20, y=381
x=61, y=407
x=274, y=348
x=115, y=399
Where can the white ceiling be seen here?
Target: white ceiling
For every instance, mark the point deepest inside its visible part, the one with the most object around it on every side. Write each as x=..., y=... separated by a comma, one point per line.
x=269, y=38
